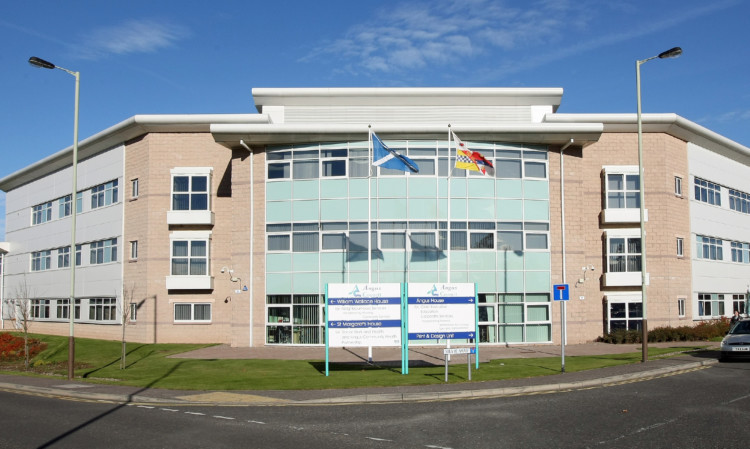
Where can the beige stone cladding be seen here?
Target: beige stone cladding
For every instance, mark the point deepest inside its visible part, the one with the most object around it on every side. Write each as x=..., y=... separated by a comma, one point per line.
x=665, y=158
x=150, y=159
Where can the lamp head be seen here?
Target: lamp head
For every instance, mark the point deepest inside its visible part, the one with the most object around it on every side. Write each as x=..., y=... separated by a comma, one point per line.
x=41, y=63
x=671, y=53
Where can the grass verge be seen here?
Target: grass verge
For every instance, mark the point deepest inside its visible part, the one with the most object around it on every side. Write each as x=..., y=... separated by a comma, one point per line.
x=148, y=365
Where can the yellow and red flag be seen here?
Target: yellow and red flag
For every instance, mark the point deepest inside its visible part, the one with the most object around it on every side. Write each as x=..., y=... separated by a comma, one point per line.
x=471, y=160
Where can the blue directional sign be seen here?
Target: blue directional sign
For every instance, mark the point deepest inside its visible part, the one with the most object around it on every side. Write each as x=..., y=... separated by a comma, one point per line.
x=560, y=292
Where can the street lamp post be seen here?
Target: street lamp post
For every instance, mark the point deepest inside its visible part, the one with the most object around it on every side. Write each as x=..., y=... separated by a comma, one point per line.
x=37, y=62
x=671, y=53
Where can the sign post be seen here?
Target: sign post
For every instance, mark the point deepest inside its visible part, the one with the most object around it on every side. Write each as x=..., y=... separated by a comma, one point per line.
x=561, y=292
x=442, y=311
x=468, y=351
x=362, y=315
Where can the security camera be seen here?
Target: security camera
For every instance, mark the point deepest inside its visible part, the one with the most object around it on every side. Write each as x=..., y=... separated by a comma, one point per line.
x=591, y=267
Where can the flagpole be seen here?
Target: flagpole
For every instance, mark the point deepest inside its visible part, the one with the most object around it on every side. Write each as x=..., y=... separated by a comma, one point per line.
x=369, y=205
x=450, y=171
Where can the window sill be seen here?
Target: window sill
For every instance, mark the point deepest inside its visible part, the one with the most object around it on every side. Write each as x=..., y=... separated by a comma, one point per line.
x=625, y=215
x=190, y=282
x=630, y=279
x=190, y=217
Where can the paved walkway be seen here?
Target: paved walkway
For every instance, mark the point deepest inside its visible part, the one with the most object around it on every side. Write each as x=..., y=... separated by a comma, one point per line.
x=655, y=367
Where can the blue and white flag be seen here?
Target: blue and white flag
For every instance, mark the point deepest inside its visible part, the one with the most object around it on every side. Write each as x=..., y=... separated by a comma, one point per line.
x=382, y=156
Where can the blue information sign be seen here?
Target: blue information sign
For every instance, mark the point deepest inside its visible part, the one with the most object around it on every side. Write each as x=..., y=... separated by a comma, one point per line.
x=560, y=292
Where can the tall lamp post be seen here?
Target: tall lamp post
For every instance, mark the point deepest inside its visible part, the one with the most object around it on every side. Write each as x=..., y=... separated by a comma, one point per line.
x=671, y=53
x=38, y=62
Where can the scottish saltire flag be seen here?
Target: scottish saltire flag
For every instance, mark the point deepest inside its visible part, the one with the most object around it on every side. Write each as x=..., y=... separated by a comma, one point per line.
x=382, y=156
x=471, y=160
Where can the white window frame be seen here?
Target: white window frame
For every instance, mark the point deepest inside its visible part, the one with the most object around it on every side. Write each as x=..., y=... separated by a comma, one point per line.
x=101, y=307
x=41, y=260
x=739, y=201
x=65, y=206
x=191, y=306
x=188, y=281
x=104, y=194
x=704, y=241
x=107, y=249
x=681, y=307
x=134, y=250
x=191, y=216
x=41, y=213
x=680, y=247
x=63, y=257
x=707, y=192
x=678, y=186
x=134, y=188
x=716, y=300
x=621, y=214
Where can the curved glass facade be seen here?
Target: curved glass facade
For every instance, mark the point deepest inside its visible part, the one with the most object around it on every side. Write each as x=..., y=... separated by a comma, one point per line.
x=439, y=225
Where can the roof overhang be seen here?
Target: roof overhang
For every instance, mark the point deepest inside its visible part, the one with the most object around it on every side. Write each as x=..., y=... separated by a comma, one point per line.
x=529, y=133
x=671, y=124
x=407, y=96
x=124, y=131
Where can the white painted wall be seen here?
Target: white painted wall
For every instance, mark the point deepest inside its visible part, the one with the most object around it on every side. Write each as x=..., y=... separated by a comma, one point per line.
x=717, y=221
x=92, y=225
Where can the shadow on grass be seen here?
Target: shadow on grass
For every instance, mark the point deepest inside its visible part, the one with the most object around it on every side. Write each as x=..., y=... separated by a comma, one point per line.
x=117, y=361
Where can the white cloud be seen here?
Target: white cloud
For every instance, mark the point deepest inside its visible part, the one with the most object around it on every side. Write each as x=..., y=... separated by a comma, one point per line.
x=438, y=33
x=435, y=33
x=133, y=36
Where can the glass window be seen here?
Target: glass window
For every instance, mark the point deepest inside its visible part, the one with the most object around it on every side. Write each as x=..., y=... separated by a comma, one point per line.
x=64, y=206
x=134, y=249
x=739, y=201
x=192, y=312
x=625, y=315
x=623, y=191
x=505, y=168
x=393, y=240
x=423, y=241
x=41, y=213
x=535, y=170
x=134, y=188
x=624, y=254
x=63, y=257
x=707, y=192
x=189, y=257
x=190, y=192
x=709, y=248
x=102, y=309
x=41, y=260
x=104, y=194
x=509, y=241
x=103, y=251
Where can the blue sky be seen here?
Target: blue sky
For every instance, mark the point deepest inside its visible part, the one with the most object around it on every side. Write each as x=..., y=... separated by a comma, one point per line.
x=154, y=57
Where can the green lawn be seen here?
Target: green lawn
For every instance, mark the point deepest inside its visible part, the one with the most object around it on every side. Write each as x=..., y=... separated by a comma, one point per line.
x=148, y=365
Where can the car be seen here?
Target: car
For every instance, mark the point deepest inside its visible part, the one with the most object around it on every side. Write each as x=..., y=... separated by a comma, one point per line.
x=736, y=343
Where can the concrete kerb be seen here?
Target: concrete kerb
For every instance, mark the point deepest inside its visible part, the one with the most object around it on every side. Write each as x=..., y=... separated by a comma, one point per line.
x=510, y=391
x=258, y=399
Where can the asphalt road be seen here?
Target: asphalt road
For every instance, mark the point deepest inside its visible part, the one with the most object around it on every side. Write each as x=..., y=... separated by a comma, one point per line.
x=708, y=407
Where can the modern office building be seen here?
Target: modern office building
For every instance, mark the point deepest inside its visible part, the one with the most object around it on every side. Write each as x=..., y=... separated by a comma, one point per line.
x=227, y=228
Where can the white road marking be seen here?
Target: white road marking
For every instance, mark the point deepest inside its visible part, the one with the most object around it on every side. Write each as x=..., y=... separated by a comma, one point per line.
x=223, y=417
x=195, y=413
x=378, y=439
x=739, y=399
